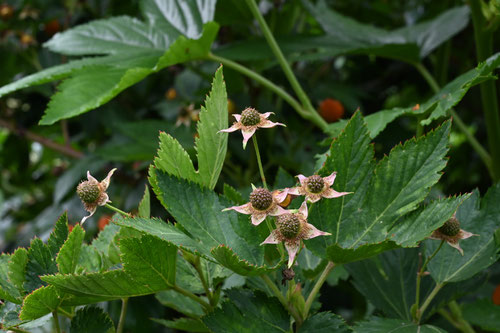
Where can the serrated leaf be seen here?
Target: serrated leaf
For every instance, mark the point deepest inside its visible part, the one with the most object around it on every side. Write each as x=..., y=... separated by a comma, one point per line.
x=211, y=146
x=150, y=261
x=145, y=204
x=248, y=311
x=324, y=322
x=17, y=268
x=479, y=217
x=40, y=262
x=384, y=325
x=69, y=255
x=180, y=303
x=483, y=313
x=90, y=260
x=8, y=291
x=104, y=240
x=361, y=224
x=91, y=319
x=233, y=195
x=59, y=235
x=183, y=324
x=228, y=258
x=40, y=302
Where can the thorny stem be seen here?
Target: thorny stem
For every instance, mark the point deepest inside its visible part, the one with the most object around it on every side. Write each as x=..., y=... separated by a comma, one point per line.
x=419, y=278
x=123, y=314
x=285, y=66
x=428, y=300
x=480, y=150
x=317, y=287
x=281, y=298
x=259, y=162
x=119, y=211
x=192, y=296
x=56, y=321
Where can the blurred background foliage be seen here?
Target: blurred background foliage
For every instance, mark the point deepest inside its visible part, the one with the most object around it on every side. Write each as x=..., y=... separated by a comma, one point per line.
x=41, y=165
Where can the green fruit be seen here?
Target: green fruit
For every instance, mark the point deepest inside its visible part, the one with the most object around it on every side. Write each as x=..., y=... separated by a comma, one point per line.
x=450, y=227
x=261, y=199
x=315, y=184
x=288, y=225
x=88, y=191
x=250, y=117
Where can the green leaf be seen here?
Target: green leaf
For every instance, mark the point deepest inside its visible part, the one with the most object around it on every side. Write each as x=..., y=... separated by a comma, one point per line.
x=150, y=261
x=90, y=260
x=478, y=217
x=233, y=195
x=40, y=262
x=211, y=145
x=183, y=324
x=59, y=235
x=384, y=325
x=8, y=290
x=483, y=313
x=40, y=302
x=228, y=258
x=91, y=319
x=363, y=225
x=68, y=257
x=17, y=268
x=248, y=311
x=324, y=322
x=145, y=205
x=180, y=303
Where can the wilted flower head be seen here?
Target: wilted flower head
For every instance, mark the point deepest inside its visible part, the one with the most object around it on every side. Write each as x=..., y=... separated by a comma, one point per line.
x=93, y=194
x=291, y=228
x=451, y=233
x=262, y=203
x=316, y=187
x=248, y=122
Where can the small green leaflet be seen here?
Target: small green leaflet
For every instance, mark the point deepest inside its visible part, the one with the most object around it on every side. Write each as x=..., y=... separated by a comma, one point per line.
x=384, y=325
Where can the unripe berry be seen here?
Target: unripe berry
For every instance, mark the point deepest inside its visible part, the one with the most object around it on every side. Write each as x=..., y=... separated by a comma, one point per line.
x=88, y=191
x=250, y=117
x=261, y=199
x=288, y=225
x=451, y=227
x=315, y=184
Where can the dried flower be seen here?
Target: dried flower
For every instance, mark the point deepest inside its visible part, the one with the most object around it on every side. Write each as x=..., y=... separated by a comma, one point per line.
x=316, y=187
x=93, y=194
x=248, y=122
x=291, y=228
x=451, y=233
x=262, y=203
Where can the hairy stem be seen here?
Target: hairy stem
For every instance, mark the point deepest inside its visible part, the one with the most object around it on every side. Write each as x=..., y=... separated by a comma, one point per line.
x=119, y=211
x=317, y=287
x=285, y=66
x=259, y=162
x=484, y=49
x=281, y=298
x=480, y=150
x=123, y=314
x=192, y=296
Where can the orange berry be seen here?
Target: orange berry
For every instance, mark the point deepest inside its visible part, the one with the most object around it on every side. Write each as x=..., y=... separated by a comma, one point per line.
x=496, y=295
x=288, y=200
x=331, y=110
x=171, y=94
x=416, y=107
x=70, y=227
x=231, y=107
x=103, y=221
x=52, y=27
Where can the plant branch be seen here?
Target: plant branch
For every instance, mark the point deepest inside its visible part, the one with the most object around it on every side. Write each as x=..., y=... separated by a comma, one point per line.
x=56, y=321
x=428, y=300
x=66, y=150
x=192, y=296
x=316, y=288
x=463, y=324
x=480, y=150
x=123, y=314
x=259, y=162
x=119, y=211
x=199, y=270
x=281, y=298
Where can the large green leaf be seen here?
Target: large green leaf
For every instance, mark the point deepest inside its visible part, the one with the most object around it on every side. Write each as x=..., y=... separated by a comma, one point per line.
x=384, y=325
x=183, y=324
x=68, y=257
x=363, y=225
x=180, y=303
x=40, y=262
x=91, y=319
x=248, y=311
x=324, y=322
x=8, y=291
x=479, y=217
x=40, y=302
x=17, y=267
x=483, y=313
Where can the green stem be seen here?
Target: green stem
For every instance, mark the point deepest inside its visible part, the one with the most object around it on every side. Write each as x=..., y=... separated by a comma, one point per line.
x=192, y=296
x=483, y=154
x=66, y=313
x=123, y=314
x=428, y=300
x=199, y=269
x=419, y=277
x=259, y=162
x=281, y=298
x=464, y=325
x=18, y=330
x=316, y=288
x=484, y=49
x=119, y=211
x=285, y=66
x=56, y=321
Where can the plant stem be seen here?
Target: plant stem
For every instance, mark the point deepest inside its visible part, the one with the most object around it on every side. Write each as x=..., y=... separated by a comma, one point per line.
x=316, y=288
x=119, y=211
x=56, y=321
x=281, y=298
x=463, y=324
x=284, y=64
x=483, y=154
x=259, y=162
x=123, y=314
x=192, y=296
x=484, y=48
x=199, y=269
x=420, y=274
x=428, y=300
